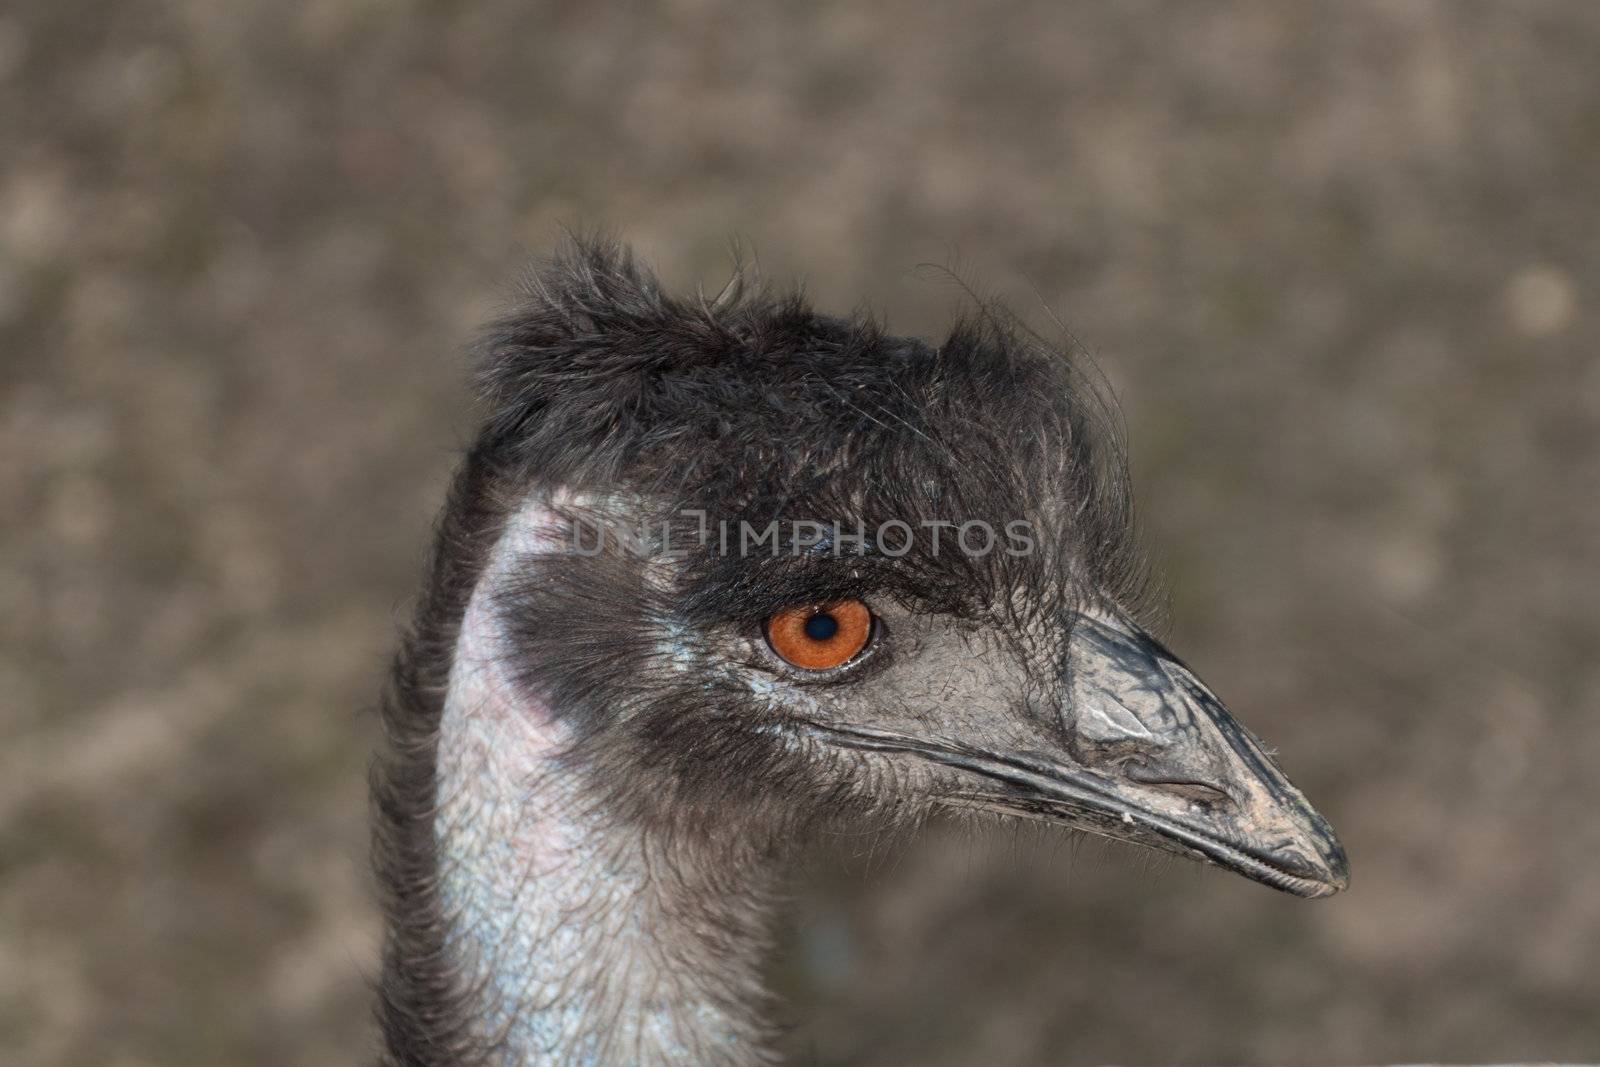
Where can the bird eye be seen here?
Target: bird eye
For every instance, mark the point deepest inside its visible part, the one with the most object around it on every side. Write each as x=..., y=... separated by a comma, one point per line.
x=819, y=636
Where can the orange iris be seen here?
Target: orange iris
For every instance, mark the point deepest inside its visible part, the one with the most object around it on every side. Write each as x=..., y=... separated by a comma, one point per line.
x=818, y=636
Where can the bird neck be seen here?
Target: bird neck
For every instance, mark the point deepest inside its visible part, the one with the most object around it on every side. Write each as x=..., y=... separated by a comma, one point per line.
x=578, y=937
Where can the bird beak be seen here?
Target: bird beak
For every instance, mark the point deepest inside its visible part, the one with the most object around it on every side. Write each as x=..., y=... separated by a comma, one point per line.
x=1151, y=756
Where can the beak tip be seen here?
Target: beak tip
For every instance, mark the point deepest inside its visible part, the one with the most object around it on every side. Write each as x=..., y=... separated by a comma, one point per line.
x=1336, y=882
x=1329, y=888
x=1330, y=872
x=1339, y=874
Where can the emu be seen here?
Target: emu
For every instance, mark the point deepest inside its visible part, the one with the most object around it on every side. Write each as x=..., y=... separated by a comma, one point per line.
x=613, y=723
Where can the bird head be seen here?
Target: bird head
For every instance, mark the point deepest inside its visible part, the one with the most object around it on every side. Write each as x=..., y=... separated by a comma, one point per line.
x=791, y=571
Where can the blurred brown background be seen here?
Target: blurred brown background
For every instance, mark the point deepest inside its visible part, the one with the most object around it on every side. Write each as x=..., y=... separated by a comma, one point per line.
x=1340, y=261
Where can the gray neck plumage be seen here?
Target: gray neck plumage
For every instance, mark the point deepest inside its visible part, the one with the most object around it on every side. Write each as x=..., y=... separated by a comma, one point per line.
x=576, y=938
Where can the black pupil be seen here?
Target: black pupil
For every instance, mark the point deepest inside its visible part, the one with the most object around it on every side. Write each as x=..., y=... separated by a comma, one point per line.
x=821, y=626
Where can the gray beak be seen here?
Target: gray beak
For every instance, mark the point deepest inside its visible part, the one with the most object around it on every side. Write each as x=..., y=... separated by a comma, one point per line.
x=1149, y=755
x=1153, y=747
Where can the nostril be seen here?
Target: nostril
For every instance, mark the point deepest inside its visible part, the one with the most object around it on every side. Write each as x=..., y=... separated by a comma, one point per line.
x=1136, y=769
x=1112, y=755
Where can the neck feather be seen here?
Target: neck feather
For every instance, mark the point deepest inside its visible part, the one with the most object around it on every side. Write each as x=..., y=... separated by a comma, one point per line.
x=578, y=938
